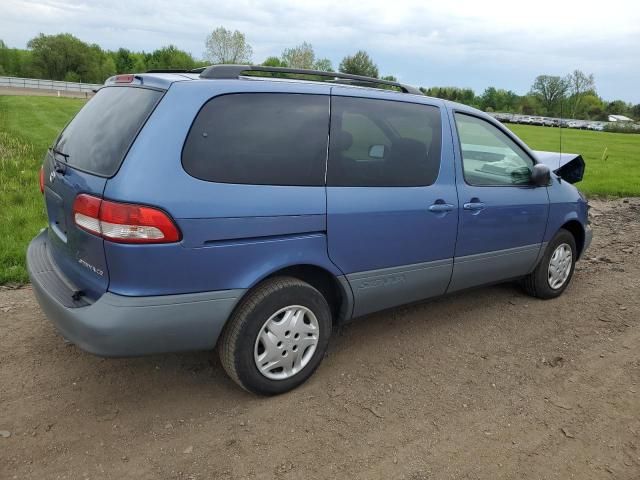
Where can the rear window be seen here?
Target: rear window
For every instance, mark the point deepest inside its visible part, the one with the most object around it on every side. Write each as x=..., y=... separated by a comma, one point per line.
x=98, y=137
x=260, y=139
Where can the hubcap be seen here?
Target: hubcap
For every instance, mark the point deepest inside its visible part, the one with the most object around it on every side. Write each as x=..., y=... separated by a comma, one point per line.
x=286, y=342
x=559, y=266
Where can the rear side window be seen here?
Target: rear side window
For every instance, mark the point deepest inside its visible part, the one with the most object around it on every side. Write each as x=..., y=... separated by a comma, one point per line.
x=260, y=139
x=99, y=136
x=381, y=143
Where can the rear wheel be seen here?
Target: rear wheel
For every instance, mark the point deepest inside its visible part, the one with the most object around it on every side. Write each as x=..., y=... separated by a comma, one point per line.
x=277, y=336
x=554, y=272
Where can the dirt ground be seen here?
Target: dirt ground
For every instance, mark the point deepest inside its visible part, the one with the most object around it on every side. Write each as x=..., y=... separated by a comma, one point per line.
x=487, y=384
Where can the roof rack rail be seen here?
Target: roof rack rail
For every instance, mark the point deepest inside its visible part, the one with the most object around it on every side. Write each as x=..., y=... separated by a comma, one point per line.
x=176, y=70
x=235, y=71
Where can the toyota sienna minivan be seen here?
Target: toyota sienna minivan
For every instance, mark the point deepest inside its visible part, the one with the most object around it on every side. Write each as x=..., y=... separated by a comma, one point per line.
x=254, y=213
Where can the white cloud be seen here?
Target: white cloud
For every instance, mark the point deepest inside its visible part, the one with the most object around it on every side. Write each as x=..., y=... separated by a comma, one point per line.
x=460, y=42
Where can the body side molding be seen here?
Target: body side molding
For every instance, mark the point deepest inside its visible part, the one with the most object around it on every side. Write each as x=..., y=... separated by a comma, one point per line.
x=383, y=288
x=491, y=267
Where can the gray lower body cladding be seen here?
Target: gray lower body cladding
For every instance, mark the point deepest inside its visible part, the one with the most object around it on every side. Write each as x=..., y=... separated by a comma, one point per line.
x=376, y=290
x=491, y=267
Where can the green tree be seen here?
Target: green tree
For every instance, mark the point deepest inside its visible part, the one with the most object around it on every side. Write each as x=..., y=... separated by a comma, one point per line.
x=488, y=99
x=140, y=64
x=461, y=95
x=301, y=56
x=170, y=57
x=124, y=60
x=17, y=62
x=359, y=64
x=274, y=62
x=618, y=107
x=578, y=85
x=225, y=46
x=323, y=64
x=55, y=55
x=550, y=90
x=3, y=57
x=529, y=105
x=72, y=77
x=108, y=67
x=498, y=100
x=591, y=107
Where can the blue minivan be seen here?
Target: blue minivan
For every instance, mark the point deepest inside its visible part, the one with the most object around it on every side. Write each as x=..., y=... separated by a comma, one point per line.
x=256, y=208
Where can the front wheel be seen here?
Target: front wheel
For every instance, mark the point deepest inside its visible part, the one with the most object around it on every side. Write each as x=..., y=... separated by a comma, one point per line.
x=554, y=272
x=277, y=336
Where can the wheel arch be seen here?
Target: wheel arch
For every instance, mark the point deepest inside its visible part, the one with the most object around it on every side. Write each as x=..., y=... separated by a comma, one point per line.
x=577, y=230
x=335, y=289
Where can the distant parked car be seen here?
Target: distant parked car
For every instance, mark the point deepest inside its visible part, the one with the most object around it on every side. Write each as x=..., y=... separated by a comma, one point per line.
x=597, y=126
x=214, y=208
x=525, y=119
x=502, y=117
x=537, y=121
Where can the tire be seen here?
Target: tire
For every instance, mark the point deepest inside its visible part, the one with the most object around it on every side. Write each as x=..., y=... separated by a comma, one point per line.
x=277, y=310
x=539, y=282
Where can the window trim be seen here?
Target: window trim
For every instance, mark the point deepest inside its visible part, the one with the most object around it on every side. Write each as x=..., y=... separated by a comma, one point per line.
x=502, y=129
x=210, y=99
x=439, y=108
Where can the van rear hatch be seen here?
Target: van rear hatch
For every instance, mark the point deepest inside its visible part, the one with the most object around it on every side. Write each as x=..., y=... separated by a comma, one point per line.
x=88, y=152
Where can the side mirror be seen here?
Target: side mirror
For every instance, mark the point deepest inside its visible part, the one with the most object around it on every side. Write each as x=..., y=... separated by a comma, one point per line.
x=540, y=175
x=376, y=151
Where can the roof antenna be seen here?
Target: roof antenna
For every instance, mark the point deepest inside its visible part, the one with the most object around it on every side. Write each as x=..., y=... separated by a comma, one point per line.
x=560, y=125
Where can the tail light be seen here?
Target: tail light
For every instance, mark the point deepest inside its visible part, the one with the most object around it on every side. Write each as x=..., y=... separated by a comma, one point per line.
x=123, y=222
x=41, y=179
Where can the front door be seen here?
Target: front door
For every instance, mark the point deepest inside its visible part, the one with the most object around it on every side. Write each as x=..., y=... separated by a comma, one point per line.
x=391, y=198
x=502, y=215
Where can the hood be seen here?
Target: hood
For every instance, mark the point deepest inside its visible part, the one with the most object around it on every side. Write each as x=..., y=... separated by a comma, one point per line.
x=568, y=166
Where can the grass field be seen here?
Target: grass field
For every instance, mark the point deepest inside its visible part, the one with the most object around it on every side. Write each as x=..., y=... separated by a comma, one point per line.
x=612, y=159
x=27, y=127
x=29, y=124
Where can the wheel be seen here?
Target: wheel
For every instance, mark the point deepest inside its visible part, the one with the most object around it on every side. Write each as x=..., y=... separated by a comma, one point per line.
x=553, y=274
x=277, y=336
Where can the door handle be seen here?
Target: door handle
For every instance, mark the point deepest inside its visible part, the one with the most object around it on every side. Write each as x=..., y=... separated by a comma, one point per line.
x=474, y=205
x=441, y=207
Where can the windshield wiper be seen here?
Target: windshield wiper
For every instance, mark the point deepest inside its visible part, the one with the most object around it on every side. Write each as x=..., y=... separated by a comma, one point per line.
x=59, y=166
x=61, y=153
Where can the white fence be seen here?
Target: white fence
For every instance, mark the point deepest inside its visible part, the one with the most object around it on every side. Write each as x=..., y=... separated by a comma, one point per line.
x=55, y=85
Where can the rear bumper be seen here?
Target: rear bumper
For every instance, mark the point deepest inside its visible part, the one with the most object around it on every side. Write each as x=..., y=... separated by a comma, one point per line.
x=116, y=326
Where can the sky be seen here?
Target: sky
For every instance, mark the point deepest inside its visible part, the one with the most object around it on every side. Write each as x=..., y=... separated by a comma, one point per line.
x=462, y=43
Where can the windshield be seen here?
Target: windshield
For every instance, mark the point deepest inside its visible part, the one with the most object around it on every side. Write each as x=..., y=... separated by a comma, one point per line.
x=98, y=138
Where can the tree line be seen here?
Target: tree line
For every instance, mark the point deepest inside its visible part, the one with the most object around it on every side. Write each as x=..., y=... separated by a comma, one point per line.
x=65, y=57
x=573, y=96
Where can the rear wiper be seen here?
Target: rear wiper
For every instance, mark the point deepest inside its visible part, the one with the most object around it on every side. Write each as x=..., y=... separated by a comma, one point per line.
x=58, y=165
x=59, y=152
